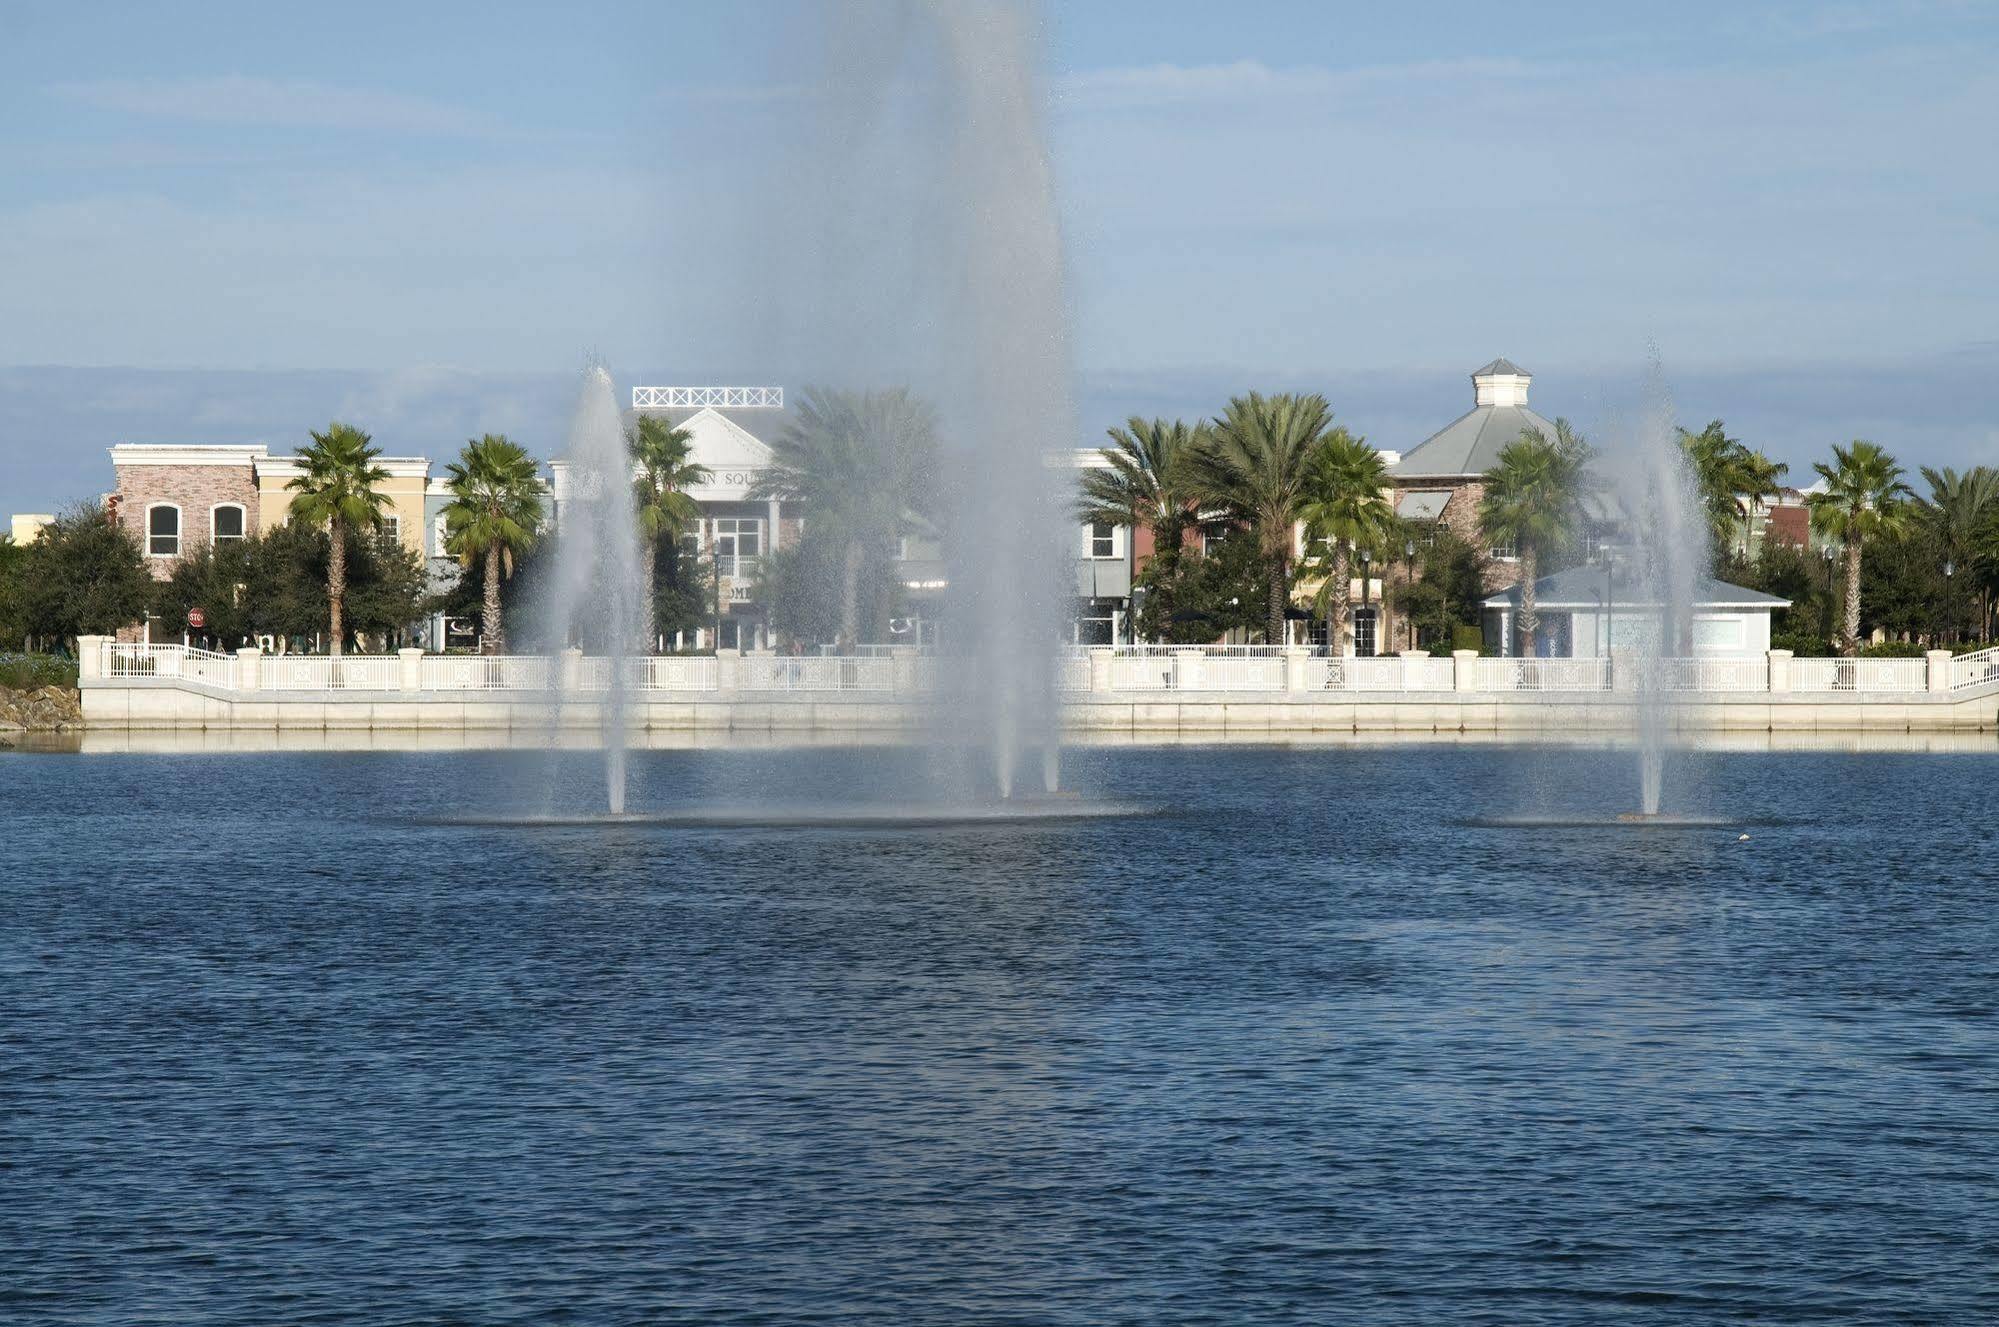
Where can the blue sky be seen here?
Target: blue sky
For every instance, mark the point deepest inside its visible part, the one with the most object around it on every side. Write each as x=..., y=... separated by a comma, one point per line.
x=232, y=222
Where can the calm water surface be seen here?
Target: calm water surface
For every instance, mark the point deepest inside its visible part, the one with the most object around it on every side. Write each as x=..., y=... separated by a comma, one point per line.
x=1306, y=1047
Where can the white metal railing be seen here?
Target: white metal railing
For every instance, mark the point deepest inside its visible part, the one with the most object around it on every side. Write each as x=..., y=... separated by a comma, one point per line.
x=1136, y=668
x=1431, y=674
x=1132, y=669
x=1717, y=674
x=1233, y=672
x=1881, y=675
x=318, y=672
x=759, y=672
x=1541, y=674
x=170, y=662
x=485, y=672
x=1974, y=670
x=676, y=672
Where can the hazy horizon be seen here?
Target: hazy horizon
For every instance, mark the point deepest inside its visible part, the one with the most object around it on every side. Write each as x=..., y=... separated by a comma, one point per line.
x=211, y=238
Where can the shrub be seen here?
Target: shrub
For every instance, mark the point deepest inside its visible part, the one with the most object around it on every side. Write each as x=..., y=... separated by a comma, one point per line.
x=1467, y=638
x=1893, y=649
x=25, y=672
x=1804, y=646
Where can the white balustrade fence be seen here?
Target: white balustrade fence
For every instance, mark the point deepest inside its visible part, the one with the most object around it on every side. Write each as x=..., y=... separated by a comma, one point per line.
x=1877, y=675
x=1978, y=669
x=763, y=672
x=1125, y=669
x=486, y=672
x=1541, y=674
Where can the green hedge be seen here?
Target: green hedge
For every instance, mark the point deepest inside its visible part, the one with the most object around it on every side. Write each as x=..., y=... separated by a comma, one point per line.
x=25, y=672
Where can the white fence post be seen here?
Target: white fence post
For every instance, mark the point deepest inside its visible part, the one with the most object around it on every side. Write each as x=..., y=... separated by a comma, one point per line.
x=1464, y=670
x=902, y=669
x=1939, y=671
x=725, y=669
x=1100, y=667
x=409, y=672
x=1186, y=670
x=90, y=652
x=1780, y=672
x=569, y=670
x=249, y=668
x=1297, y=659
x=1412, y=668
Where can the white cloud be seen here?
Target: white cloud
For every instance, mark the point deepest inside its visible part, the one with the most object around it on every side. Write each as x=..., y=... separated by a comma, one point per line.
x=1249, y=80
x=291, y=103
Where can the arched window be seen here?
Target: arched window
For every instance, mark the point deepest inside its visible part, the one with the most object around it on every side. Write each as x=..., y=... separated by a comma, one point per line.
x=225, y=521
x=163, y=530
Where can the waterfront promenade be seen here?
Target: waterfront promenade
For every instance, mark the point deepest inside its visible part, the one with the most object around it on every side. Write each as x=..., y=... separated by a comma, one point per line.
x=1109, y=690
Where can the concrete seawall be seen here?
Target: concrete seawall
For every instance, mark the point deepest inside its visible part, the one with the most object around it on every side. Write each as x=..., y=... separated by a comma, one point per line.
x=143, y=704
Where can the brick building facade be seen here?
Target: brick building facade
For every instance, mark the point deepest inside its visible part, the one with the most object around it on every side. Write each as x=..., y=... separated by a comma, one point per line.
x=175, y=499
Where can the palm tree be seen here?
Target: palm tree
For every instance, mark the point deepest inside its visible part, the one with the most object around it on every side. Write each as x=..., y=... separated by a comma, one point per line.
x=1143, y=480
x=659, y=491
x=1731, y=480
x=1533, y=500
x=1257, y=467
x=862, y=463
x=336, y=489
x=495, y=513
x=1345, y=509
x=1862, y=501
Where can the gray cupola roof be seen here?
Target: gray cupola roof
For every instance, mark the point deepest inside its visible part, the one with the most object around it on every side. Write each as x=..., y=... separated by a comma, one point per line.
x=1470, y=444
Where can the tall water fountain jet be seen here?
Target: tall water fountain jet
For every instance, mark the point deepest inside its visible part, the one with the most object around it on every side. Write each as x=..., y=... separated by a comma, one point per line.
x=931, y=256
x=1670, y=550
x=597, y=604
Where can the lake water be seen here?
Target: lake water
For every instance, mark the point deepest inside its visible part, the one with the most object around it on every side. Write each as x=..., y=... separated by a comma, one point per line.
x=1305, y=1046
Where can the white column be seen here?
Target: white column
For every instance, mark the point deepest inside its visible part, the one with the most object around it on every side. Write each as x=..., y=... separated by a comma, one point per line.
x=1464, y=670
x=1100, y=667
x=90, y=657
x=902, y=670
x=1186, y=670
x=1939, y=671
x=249, y=668
x=1780, y=672
x=725, y=669
x=569, y=670
x=1412, y=668
x=1296, y=660
x=773, y=525
x=409, y=669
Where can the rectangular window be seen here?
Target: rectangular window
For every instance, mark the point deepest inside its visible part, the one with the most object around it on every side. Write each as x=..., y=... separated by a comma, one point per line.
x=226, y=523
x=392, y=529
x=439, y=533
x=1505, y=552
x=738, y=541
x=1095, y=626
x=1103, y=540
x=163, y=532
x=1363, y=632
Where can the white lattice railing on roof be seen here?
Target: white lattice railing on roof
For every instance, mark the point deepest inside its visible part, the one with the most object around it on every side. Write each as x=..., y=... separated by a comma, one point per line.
x=745, y=398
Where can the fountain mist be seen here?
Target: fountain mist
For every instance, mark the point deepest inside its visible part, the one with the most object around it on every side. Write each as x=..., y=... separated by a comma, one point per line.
x=1670, y=551
x=598, y=587
x=931, y=256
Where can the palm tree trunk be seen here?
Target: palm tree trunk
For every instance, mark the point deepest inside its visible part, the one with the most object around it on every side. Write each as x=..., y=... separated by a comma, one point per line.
x=1529, y=618
x=648, y=574
x=1850, y=629
x=493, y=628
x=1339, y=603
x=850, y=595
x=1280, y=581
x=336, y=582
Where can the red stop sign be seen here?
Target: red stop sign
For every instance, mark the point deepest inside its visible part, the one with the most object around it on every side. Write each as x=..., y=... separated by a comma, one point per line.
x=196, y=618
